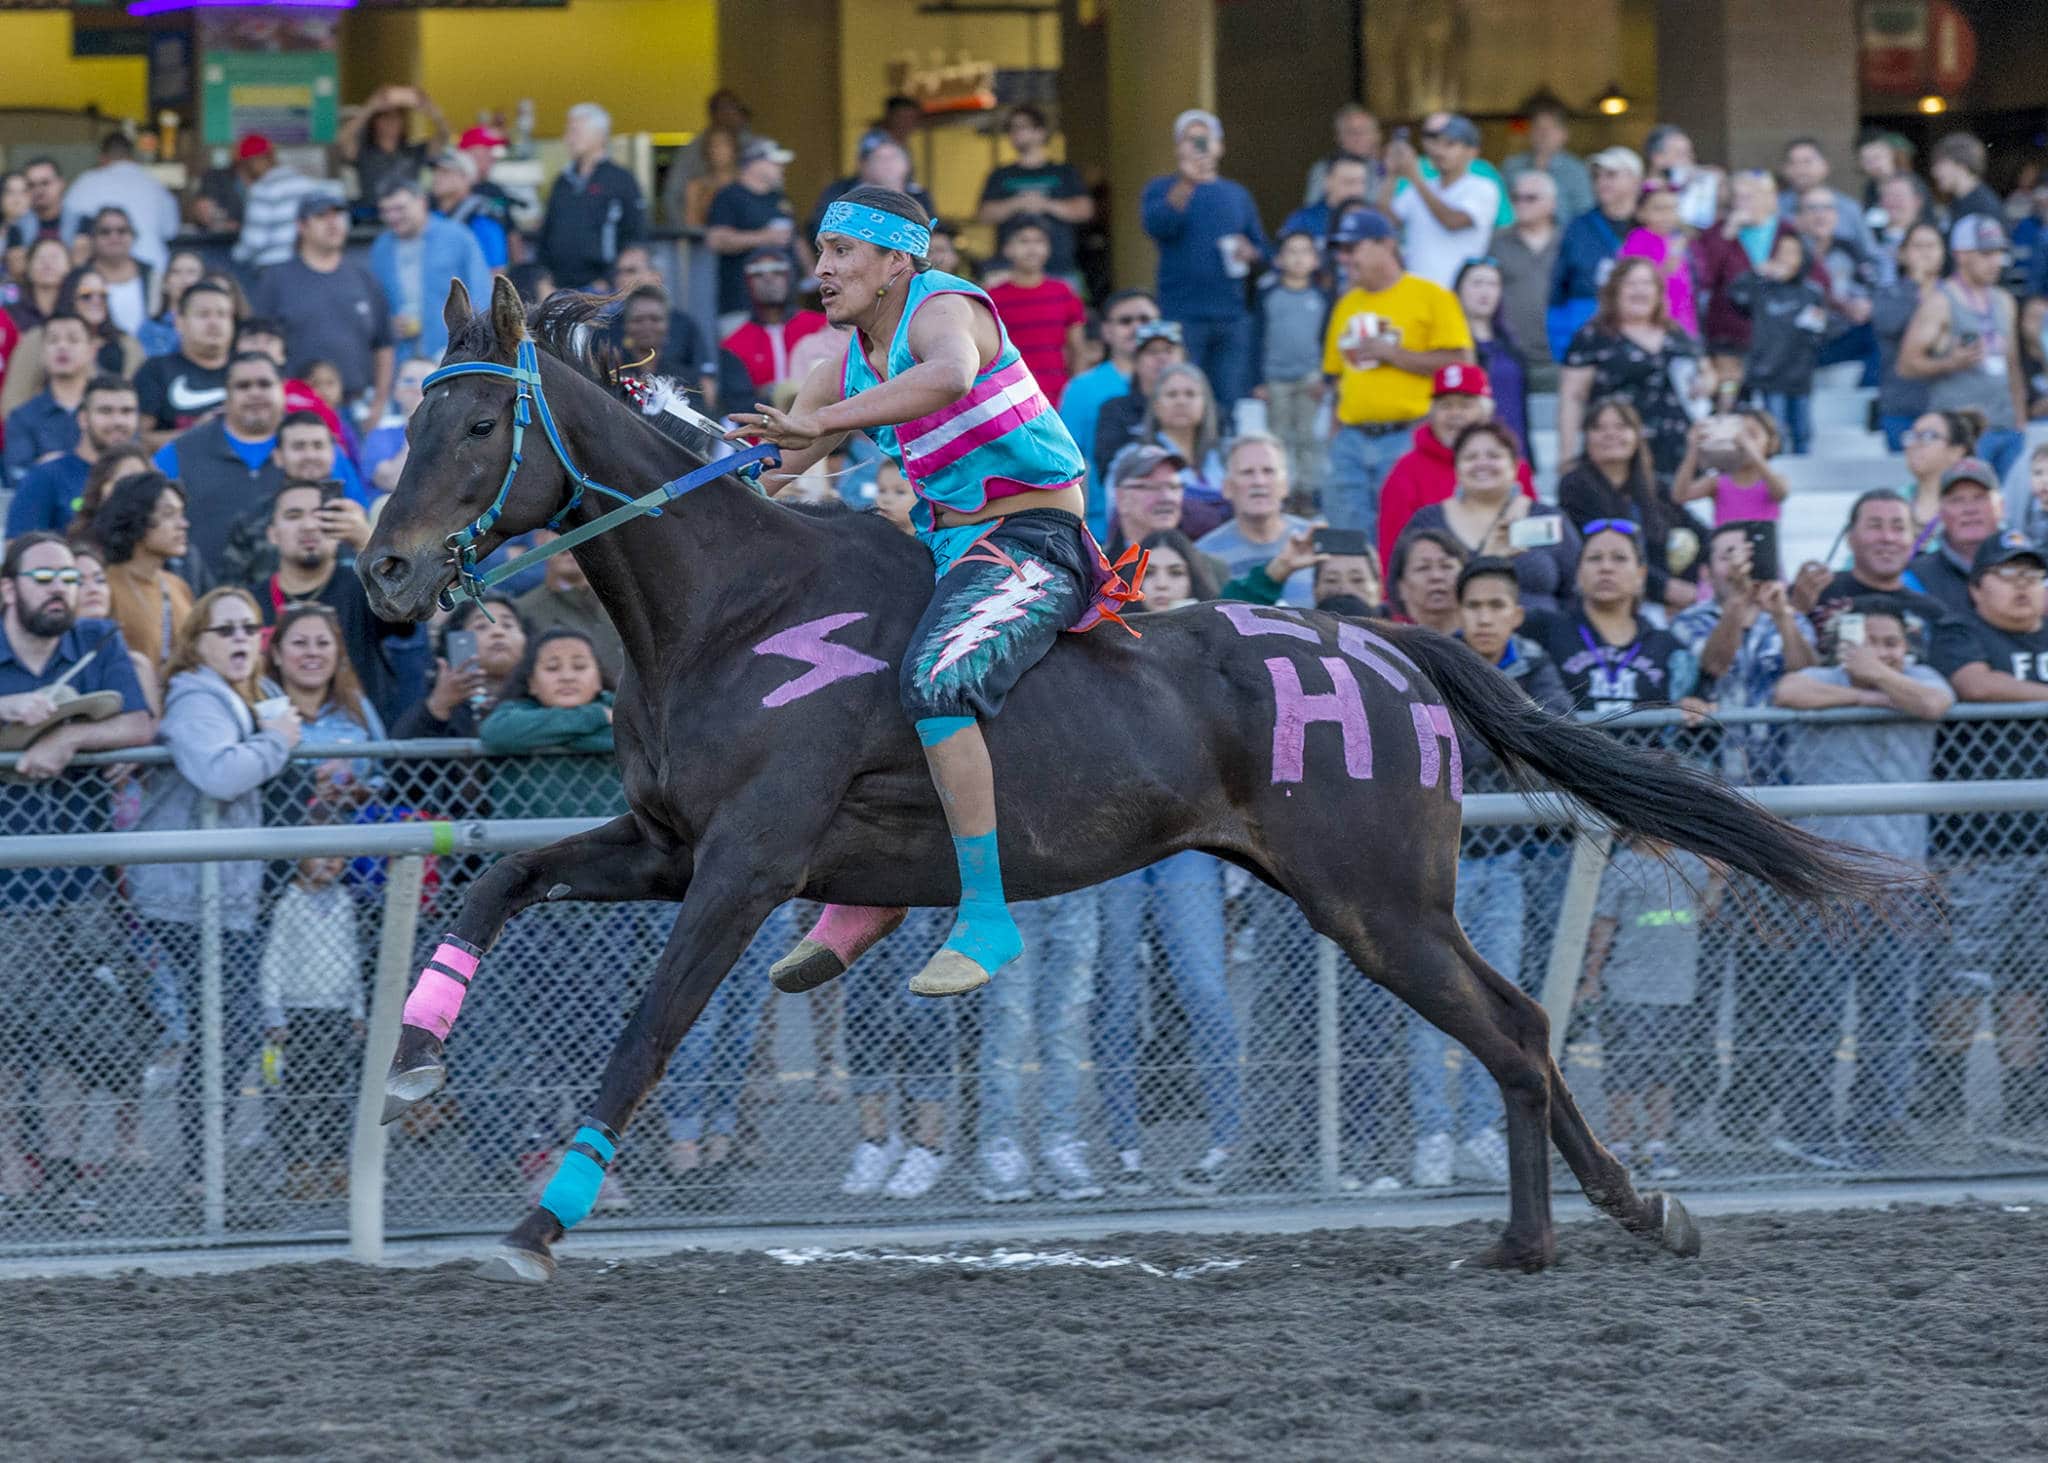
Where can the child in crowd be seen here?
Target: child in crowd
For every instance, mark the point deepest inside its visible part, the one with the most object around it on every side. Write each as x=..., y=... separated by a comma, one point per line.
x=1642, y=967
x=893, y=498
x=1659, y=236
x=310, y=986
x=2034, y=516
x=554, y=702
x=1752, y=489
x=1788, y=312
x=1042, y=315
x=1288, y=326
x=324, y=379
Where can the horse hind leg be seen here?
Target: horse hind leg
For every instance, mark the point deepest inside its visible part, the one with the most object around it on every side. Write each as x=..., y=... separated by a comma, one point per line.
x=1657, y=1216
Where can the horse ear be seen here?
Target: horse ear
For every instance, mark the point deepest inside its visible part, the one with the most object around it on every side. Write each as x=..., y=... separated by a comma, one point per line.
x=508, y=314
x=455, y=314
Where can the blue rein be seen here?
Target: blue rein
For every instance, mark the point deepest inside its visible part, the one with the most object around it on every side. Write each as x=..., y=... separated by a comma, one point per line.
x=532, y=401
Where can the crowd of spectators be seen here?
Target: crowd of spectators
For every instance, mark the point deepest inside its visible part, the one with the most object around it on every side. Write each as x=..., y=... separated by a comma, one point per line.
x=1336, y=412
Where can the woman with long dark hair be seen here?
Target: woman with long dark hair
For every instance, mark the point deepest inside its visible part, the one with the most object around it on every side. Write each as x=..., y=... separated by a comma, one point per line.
x=84, y=294
x=1613, y=659
x=1614, y=479
x=1923, y=260
x=142, y=527
x=1484, y=508
x=1479, y=289
x=1632, y=347
x=307, y=658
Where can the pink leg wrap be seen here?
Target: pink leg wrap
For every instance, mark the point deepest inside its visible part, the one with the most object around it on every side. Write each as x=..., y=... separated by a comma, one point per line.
x=437, y=998
x=847, y=930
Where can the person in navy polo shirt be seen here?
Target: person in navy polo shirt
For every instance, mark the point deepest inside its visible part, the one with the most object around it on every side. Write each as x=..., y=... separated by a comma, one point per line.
x=1209, y=237
x=62, y=1004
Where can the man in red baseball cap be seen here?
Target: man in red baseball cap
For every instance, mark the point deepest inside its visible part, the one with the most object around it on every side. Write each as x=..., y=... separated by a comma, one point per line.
x=270, y=207
x=484, y=146
x=1459, y=396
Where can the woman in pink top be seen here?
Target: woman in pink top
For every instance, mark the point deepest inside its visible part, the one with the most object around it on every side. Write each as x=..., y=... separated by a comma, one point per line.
x=1659, y=236
x=1750, y=490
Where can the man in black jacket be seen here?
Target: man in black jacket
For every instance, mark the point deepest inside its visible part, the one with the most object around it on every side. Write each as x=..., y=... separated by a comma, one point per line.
x=594, y=208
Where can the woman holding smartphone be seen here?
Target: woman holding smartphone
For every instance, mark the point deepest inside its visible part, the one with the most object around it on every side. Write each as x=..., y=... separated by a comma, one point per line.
x=1488, y=514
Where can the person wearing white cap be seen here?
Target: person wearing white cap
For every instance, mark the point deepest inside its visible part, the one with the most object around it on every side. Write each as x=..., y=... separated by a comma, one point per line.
x=1963, y=343
x=1209, y=237
x=1592, y=241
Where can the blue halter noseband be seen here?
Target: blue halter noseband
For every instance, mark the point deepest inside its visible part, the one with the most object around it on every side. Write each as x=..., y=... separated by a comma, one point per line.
x=532, y=401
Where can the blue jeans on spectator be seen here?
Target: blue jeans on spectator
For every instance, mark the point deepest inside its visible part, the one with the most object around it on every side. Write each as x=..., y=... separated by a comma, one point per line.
x=1359, y=463
x=1050, y=990
x=897, y=1042
x=1884, y=968
x=701, y=1094
x=1857, y=343
x=1895, y=425
x=1489, y=906
x=1795, y=419
x=1223, y=349
x=1185, y=894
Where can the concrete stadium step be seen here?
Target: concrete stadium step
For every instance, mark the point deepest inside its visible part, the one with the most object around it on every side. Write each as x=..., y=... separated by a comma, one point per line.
x=1543, y=412
x=1835, y=472
x=1843, y=408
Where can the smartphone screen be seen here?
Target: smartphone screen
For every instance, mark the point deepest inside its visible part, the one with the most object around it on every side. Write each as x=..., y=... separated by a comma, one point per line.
x=1763, y=549
x=1338, y=541
x=461, y=647
x=1536, y=533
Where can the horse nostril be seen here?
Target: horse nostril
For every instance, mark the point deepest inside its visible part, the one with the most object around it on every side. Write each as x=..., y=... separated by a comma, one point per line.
x=389, y=570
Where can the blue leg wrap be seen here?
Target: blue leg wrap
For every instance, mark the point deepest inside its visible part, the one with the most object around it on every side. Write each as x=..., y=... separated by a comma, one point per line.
x=984, y=931
x=932, y=730
x=572, y=1192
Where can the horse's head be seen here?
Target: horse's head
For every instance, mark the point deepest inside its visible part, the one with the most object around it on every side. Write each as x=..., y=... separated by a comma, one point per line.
x=460, y=477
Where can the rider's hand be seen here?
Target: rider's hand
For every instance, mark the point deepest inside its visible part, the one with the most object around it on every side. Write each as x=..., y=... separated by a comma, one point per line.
x=790, y=431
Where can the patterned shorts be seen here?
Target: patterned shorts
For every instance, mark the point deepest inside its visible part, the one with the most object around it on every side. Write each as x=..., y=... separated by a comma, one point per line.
x=996, y=610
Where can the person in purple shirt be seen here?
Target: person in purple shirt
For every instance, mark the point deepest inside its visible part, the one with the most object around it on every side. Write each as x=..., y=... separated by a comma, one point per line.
x=1209, y=237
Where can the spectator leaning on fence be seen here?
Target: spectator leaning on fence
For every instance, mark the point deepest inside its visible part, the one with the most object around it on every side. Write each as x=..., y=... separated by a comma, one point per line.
x=45, y=647
x=1999, y=652
x=222, y=753
x=308, y=660
x=565, y=600
x=1880, y=538
x=1877, y=669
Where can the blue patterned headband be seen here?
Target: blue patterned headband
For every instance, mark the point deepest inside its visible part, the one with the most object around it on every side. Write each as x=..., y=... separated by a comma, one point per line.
x=884, y=230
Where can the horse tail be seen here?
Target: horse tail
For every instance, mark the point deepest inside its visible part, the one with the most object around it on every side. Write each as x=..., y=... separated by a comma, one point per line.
x=1651, y=793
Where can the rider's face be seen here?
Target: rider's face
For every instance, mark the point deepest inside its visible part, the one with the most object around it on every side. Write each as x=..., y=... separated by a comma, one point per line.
x=852, y=274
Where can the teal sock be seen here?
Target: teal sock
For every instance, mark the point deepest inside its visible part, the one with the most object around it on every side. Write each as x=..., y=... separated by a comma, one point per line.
x=983, y=931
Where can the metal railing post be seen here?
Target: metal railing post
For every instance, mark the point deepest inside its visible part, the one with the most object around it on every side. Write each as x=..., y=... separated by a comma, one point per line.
x=1574, y=928
x=1328, y=1067
x=212, y=1067
x=402, y=882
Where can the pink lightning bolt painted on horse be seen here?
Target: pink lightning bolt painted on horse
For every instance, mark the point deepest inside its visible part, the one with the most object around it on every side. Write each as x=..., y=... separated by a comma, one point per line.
x=760, y=765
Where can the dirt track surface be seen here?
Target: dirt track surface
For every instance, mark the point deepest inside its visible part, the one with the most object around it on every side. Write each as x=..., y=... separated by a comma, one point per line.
x=1914, y=1333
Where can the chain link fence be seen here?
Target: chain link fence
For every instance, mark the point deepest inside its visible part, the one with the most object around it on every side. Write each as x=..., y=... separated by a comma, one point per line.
x=1176, y=1036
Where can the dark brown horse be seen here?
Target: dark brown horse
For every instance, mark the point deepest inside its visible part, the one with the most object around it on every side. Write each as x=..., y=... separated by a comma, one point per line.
x=764, y=758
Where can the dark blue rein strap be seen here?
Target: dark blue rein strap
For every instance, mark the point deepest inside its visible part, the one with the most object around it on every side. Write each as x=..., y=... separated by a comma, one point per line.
x=532, y=401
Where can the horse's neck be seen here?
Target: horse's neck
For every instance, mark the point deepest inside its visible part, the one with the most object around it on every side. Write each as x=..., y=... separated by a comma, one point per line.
x=655, y=575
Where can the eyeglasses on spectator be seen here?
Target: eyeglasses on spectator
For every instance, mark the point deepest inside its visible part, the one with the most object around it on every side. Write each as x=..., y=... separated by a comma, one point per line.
x=44, y=578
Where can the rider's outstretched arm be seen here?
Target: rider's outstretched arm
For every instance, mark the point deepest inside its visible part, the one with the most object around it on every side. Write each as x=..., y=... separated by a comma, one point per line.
x=942, y=342
x=820, y=388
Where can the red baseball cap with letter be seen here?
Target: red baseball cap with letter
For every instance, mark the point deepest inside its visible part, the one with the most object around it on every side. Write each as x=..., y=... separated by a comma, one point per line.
x=1458, y=379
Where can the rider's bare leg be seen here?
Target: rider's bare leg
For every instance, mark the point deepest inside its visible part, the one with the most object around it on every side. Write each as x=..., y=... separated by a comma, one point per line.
x=984, y=937
x=843, y=933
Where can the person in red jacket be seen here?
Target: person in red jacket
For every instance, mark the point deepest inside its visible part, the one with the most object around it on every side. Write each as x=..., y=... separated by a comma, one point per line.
x=1460, y=396
x=764, y=343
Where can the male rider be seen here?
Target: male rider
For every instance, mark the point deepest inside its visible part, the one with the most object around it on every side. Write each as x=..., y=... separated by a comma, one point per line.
x=930, y=374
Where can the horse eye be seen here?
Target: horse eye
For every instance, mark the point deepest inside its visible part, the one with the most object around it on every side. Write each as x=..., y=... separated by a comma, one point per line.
x=482, y=428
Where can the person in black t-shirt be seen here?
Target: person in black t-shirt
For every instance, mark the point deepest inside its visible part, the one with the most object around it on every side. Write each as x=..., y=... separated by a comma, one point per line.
x=1996, y=865
x=1880, y=539
x=179, y=389
x=1612, y=659
x=751, y=212
x=1035, y=186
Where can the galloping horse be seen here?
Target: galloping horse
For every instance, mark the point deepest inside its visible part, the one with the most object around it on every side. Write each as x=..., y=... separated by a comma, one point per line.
x=765, y=757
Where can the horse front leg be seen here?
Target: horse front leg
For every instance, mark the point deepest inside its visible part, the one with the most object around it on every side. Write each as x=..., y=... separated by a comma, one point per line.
x=717, y=922
x=615, y=863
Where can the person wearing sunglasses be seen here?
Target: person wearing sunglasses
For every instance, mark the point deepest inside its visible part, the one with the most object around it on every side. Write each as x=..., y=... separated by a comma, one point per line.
x=1080, y=405
x=44, y=646
x=130, y=283
x=230, y=731
x=120, y=182
x=1446, y=218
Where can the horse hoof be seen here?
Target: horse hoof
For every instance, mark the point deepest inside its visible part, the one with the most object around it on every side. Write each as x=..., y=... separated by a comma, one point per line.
x=948, y=973
x=511, y=1264
x=1516, y=1255
x=1675, y=1229
x=403, y=1091
x=805, y=968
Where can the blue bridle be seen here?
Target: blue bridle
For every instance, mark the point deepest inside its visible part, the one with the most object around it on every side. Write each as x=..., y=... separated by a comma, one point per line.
x=531, y=402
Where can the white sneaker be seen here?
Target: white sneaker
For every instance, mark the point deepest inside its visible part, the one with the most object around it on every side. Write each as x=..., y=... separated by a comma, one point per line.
x=1432, y=1166
x=1386, y=1183
x=1483, y=1156
x=870, y=1167
x=915, y=1175
x=1129, y=1176
x=1072, y=1178
x=1005, y=1172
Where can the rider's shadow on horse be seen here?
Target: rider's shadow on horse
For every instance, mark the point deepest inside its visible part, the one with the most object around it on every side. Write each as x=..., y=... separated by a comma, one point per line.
x=765, y=755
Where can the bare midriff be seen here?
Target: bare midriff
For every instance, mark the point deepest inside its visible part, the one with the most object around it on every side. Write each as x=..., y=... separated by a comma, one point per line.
x=1068, y=500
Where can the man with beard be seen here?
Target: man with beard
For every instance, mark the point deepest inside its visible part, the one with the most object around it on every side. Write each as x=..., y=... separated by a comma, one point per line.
x=307, y=527
x=192, y=382
x=62, y=1010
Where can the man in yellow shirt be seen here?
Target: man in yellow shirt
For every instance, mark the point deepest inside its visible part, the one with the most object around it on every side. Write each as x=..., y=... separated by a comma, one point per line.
x=1388, y=336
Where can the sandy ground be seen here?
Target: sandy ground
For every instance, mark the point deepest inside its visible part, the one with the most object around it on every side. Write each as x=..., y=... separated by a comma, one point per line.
x=1918, y=1332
